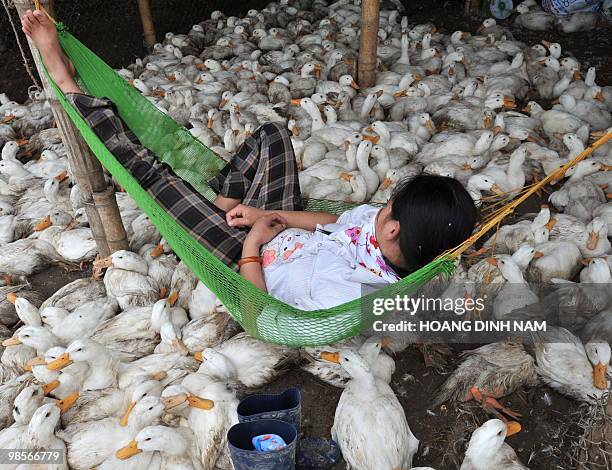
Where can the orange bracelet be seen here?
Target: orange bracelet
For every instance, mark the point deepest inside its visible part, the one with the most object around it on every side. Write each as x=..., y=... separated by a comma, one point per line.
x=249, y=259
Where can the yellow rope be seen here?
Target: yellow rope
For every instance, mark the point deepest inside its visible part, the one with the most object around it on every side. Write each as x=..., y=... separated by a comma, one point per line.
x=38, y=6
x=509, y=208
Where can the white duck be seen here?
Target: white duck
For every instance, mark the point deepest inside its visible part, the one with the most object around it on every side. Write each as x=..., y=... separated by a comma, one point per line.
x=364, y=402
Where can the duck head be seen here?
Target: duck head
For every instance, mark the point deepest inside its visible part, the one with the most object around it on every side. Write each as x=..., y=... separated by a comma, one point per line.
x=216, y=364
x=26, y=312
x=43, y=423
x=523, y=256
x=177, y=398
x=37, y=337
x=154, y=438
x=52, y=316
x=125, y=260
x=146, y=389
x=488, y=23
x=26, y=403
x=599, y=356
x=351, y=362
x=597, y=232
x=487, y=441
x=171, y=334
x=80, y=350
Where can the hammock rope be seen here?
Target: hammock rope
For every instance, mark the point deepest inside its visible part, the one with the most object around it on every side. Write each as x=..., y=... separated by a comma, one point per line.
x=261, y=315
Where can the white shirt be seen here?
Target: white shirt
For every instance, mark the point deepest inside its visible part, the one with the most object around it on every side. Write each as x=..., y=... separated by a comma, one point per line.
x=320, y=270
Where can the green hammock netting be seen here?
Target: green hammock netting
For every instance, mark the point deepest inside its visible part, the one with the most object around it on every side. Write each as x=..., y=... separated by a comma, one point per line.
x=260, y=315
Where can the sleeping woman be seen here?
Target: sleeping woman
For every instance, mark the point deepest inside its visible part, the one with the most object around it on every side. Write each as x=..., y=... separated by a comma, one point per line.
x=310, y=260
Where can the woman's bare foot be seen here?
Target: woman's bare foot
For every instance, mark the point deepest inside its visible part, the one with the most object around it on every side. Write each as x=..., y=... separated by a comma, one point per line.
x=41, y=31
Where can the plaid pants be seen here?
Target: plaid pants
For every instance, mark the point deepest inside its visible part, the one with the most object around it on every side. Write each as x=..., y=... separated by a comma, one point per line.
x=263, y=173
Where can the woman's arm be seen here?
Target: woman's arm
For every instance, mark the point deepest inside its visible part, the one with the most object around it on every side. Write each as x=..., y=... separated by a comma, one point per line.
x=264, y=230
x=246, y=216
x=252, y=272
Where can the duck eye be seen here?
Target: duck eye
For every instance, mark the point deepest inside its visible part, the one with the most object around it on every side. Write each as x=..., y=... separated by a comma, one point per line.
x=47, y=415
x=148, y=439
x=80, y=349
x=150, y=408
x=499, y=433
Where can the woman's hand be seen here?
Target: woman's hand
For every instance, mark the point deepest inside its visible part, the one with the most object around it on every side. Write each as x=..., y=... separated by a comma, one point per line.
x=244, y=216
x=265, y=229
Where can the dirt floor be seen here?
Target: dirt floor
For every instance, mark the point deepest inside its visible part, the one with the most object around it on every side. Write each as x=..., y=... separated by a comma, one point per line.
x=552, y=424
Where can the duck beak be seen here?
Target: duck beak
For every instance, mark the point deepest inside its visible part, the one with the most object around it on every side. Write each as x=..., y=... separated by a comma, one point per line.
x=11, y=297
x=480, y=29
x=201, y=403
x=126, y=416
x=317, y=71
x=550, y=224
x=222, y=103
x=400, y=93
x=599, y=376
x=67, y=401
x=386, y=183
x=509, y=103
x=296, y=130
x=538, y=255
x=103, y=263
x=488, y=122
x=600, y=97
x=172, y=298
x=496, y=130
x=199, y=81
x=171, y=77
x=22, y=142
x=385, y=342
x=465, y=35
x=354, y=85
x=330, y=357
x=128, y=451
x=180, y=346
x=345, y=176
x=430, y=125
x=604, y=167
x=200, y=66
x=131, y=82
x=37, y=361
x=585, y=261
x=577, y=75
x=49, y=387
x=597, y=134
x=9, y=118
x=512, y=427
x=492, y=261
x=157, y=251
x=593, y=240
x=209, y=123
x=296, y=102
x=372, y=138
x=496, y=190
x=526, y=109
x=62, y=176
x=61, y=362
x=13, y=341
x=43, y=224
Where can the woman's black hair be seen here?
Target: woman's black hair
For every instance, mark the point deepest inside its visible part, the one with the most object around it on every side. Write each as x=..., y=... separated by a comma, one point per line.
x=435, y=213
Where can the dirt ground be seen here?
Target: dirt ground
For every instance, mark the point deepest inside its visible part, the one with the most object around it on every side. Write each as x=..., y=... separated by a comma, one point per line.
x=551, y=423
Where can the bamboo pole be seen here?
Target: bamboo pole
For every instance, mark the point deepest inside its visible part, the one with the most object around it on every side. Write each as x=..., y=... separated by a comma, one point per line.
x=472, y=8
x=85, y=167
x=368, y=42
x=147, y=21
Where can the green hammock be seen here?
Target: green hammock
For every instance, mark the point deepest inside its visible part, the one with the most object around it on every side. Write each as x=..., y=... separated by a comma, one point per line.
x=260, y=315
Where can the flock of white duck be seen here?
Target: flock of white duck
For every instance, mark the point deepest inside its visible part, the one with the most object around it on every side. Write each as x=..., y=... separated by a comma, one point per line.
x=148, y=365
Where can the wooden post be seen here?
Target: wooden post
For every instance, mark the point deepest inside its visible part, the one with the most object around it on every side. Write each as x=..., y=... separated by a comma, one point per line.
x=147, y=21
x=472, y=8
x=106, y=225
x=368, y=42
